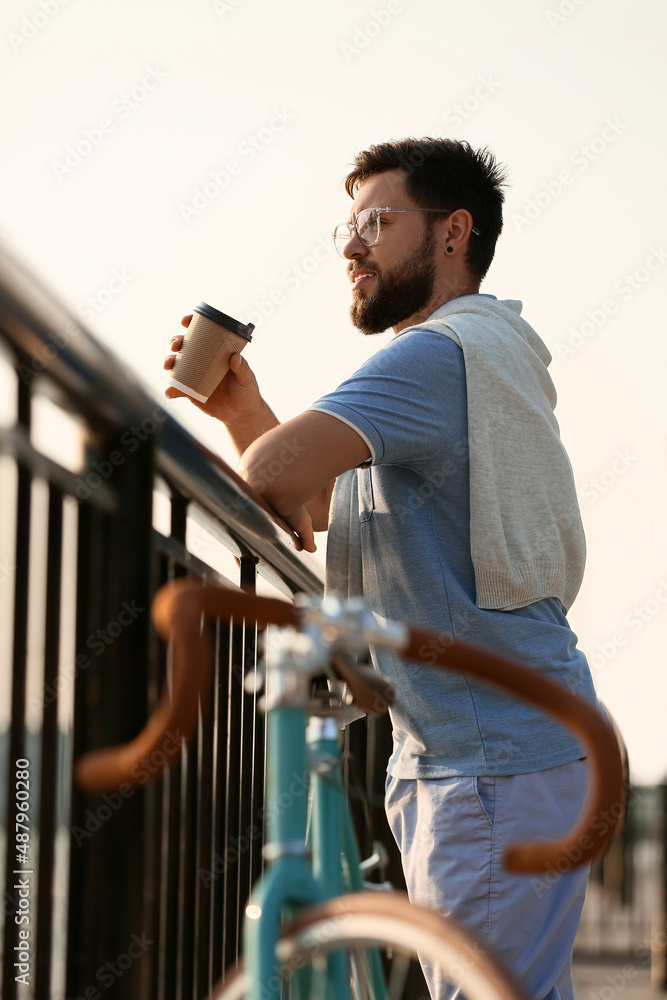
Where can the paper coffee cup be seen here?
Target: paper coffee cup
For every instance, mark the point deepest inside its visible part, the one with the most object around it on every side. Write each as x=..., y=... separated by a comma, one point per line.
x=209, y=343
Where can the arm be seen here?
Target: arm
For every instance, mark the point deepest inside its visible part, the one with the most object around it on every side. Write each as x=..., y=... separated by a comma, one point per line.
x=295, y=464
x=238, y=404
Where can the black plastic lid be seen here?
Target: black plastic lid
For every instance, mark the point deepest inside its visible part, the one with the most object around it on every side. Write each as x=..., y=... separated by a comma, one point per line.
x=204, y=309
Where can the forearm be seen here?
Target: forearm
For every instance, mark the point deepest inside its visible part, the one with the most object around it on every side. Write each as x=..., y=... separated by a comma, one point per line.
x=245, y=430
x=263, y=469
x=295, y=463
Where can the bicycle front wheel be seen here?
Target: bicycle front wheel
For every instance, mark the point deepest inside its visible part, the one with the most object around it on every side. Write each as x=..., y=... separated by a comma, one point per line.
x=383, y=939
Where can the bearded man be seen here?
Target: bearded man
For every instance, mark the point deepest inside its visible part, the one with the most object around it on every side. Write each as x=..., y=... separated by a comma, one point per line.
x=465, y=521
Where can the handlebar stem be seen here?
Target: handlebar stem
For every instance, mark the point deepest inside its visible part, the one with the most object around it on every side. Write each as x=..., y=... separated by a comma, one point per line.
x=350, y=625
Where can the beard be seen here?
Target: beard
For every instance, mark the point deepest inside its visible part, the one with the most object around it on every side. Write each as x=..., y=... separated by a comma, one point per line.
x=400, y=292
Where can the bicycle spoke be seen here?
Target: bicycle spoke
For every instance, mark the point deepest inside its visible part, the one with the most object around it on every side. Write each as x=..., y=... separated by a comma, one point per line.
x=398, y=975
x=358, y=975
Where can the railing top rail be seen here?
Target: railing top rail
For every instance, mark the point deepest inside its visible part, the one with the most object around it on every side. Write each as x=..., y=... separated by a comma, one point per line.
x=110, y=396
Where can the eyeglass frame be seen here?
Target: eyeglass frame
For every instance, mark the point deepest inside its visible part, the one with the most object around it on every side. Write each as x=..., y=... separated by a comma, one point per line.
x=352, y=226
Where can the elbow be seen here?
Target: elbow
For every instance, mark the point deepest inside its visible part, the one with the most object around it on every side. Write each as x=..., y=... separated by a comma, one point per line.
x=269, y=479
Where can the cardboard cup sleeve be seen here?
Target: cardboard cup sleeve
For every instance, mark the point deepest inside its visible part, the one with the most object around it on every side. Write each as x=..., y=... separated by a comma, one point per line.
x=209, y=343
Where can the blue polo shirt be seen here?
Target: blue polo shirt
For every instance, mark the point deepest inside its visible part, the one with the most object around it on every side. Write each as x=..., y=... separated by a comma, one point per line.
x=409, y=403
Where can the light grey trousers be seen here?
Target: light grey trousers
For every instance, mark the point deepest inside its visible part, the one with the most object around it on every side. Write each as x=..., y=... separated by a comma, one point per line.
x=452, y=832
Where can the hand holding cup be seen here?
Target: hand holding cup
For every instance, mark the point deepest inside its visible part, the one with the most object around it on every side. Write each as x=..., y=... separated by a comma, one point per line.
x=235, y=397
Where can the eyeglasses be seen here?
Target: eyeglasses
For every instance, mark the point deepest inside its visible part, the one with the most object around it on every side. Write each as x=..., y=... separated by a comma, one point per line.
x=367, y=225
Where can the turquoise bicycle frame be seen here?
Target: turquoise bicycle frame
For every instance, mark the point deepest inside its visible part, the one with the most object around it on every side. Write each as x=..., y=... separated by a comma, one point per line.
x=293, y=881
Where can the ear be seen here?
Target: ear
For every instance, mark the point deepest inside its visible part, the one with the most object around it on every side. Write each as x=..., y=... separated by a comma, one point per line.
x=456, y=231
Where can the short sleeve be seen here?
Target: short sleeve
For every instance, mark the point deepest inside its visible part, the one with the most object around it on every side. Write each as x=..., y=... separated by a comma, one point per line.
x=408, y=401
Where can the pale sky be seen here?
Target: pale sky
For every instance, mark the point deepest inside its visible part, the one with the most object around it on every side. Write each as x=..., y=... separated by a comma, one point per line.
x=161, y=153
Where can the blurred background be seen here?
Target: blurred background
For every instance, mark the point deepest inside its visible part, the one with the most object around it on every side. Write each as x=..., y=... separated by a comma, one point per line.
x=157, y=154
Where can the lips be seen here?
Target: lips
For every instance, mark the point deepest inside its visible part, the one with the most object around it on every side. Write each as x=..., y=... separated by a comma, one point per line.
x=359, y=277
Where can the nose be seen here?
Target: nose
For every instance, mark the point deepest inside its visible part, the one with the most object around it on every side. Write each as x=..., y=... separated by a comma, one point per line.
x=354, y=248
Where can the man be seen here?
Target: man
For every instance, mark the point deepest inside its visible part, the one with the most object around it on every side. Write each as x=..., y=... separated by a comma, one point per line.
x=466, y=522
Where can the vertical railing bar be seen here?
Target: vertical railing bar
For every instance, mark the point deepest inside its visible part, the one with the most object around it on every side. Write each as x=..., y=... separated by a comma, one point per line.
x=172, y=873
x=220, y=809
x=49, y=756
x=94, y=859
x=84, y=600
x=239, y=760
x=154, y=905
x=230, y=918
x=177, y=791
x=67, y=661
x=204, y=850
x=246, y=819
x=17, y=732
x=188, y=833
x=259, y=765
x=180, y=844
x=9, y=494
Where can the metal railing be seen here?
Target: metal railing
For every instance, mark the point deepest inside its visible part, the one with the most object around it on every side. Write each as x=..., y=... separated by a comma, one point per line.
x=136, y=893
x=624, y=915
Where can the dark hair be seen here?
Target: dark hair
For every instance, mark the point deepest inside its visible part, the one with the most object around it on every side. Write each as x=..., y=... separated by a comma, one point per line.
x=444, y=173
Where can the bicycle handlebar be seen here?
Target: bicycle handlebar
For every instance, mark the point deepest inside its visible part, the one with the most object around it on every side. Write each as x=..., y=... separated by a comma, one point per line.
x=177, y=612
x=606, y=800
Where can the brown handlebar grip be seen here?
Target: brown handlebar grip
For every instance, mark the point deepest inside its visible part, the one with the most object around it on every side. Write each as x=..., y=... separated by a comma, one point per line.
x=177, y=713
x=191, y=596
x=177, y=612
x=606, y=800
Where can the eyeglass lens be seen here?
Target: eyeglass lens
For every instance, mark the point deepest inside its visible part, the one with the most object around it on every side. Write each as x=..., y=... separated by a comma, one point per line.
x=368, y=225
x=367, y=229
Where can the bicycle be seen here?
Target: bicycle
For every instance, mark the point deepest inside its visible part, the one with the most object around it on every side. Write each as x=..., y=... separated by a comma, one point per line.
x=312, y=927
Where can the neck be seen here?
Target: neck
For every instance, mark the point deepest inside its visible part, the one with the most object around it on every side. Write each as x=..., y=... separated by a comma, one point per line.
x=452, y=288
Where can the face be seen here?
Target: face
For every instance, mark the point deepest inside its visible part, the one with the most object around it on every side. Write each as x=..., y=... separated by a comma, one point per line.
x=395, y=279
